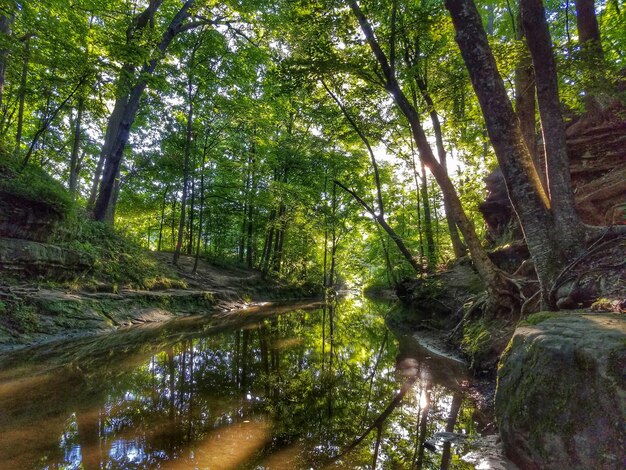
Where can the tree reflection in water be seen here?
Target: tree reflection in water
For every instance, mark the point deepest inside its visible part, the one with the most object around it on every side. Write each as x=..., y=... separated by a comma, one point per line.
x=322, y=387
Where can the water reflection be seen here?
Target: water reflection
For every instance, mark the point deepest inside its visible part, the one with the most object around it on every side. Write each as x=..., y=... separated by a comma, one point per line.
x=320, y=387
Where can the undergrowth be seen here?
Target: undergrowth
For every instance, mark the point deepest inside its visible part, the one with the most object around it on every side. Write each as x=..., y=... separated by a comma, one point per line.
x=118, y=261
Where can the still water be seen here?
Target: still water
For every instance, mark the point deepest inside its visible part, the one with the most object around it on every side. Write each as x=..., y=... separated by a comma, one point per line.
x=300, y=386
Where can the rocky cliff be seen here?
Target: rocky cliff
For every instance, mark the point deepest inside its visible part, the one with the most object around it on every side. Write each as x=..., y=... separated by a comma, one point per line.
x=597, y=152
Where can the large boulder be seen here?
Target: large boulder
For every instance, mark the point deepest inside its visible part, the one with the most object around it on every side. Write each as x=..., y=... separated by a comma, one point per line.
x=561, y=396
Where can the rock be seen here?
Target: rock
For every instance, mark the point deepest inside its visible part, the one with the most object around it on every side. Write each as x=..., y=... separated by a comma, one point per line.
x=497, y=209
x=511, y=256
x=597, y=154
x=441, y=294
x=41, y=259
x=27, y=219
x=561, y=396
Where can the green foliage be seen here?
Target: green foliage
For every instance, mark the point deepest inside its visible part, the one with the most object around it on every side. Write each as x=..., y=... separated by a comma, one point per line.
x=21, y=317
x=537, y=318
x=271, y=138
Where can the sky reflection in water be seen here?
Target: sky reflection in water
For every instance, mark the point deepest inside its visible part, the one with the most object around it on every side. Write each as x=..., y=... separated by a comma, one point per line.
x=291, y=390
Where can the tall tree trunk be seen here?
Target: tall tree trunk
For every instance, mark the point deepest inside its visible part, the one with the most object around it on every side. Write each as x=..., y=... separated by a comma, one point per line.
x=74, y=163
x=93, y=193
x=129, y=96
x=192, y=203
x=269, y=239
x=242, y=233
x=431, y=249
x=523, y=184
x=200, y=217
x=250, y=240
x=525, y=99
x=333, y=259
x=22, y=97
x=186, y=164
x=5, y=32
x=173, y=221
x=246, y=207
x=591, y=53
x=563, y=204
x=109, y=217
x=251, y=194
x=457, y=245
x=279, y=238
x=418, y=205
x=167, y=188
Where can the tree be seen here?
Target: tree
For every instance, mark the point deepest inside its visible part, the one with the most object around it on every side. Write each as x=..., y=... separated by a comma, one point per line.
x=591, y=53
x=496, y=281
x=130, y=88
x=553, y=231
x=378, y=215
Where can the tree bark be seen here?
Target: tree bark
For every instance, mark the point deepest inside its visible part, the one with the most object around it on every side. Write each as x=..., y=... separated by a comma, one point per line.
x=250, y=219
x=457, y=245
x=201, y=215
x=74, y=163
x=523, y=184
x=269, y=239
x=22, y=96
x=431, y=249
x=563, y=204
x=5, y=31
x=93, y=193
x=525, y=100
x=167, y=188
x=592, y=55
x=186, y=164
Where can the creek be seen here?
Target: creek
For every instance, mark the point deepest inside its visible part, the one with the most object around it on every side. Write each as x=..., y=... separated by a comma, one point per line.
x=287, y=387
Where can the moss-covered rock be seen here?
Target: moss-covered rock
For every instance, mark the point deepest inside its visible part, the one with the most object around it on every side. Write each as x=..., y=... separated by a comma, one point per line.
x=47, y=313
x=31, y=258
x=32, y=204
x=561, y=396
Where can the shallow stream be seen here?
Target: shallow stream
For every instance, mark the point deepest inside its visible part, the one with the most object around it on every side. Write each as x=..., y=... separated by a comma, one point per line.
x=298, y=386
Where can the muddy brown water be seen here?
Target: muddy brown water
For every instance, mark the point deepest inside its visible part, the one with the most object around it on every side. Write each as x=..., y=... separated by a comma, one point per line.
x=302, y=386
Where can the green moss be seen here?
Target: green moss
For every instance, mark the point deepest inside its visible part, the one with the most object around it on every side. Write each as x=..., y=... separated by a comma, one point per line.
x=476, y=341
x=536, y=318
x=119, y=262
x=23, y=318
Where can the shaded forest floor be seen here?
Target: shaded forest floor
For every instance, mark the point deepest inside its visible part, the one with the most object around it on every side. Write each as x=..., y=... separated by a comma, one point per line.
x=39, y=312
